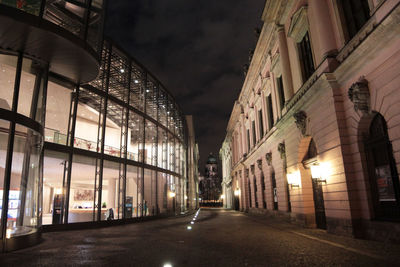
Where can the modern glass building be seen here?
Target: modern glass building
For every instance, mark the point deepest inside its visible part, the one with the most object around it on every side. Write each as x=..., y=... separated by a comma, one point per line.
x=87, y=134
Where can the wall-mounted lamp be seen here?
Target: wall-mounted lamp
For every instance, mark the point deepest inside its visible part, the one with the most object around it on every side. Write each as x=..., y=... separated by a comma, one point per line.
x=222, y=196
x=172, y=194
x=237, y=192
x=316, y=172
x=293, y=179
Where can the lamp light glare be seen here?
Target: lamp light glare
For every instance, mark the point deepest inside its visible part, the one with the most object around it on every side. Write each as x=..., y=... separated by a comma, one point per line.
x=189, y=227
x=8, y=233
x=237, y=192
x=172, y=194
x=167, y=265
x=316, y=171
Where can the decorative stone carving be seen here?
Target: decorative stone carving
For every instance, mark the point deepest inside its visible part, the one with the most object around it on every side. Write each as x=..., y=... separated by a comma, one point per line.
x=301, y=121
x=282, y=150
x=246, y=173
x=257, y=32
x=298, y=25
x=251, y=54
x=268, y=158
x=259, y=164
x=245, y=69
x=359, y=95
x=252, y=169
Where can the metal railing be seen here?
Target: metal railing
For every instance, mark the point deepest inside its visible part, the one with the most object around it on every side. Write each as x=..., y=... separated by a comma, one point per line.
x=83, y=18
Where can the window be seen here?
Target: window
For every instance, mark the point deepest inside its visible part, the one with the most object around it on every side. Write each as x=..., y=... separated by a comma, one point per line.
x=270, y=112
x=260, y=123
x=253, y=126
x=382, y=169
x=306, y=57
x=356, y=14
x=255, y=192
x=248, y=140
x=281, y=93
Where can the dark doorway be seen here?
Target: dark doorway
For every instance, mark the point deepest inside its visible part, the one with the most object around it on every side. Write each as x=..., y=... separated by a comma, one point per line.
x=274, y=190
x=255, y=191
x=318, y=194
x=236, y=202
x=384, y=179
x=249, y=186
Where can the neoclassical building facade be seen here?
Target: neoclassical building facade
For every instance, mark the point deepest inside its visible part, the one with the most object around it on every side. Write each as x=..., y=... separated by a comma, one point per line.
x=314, y=135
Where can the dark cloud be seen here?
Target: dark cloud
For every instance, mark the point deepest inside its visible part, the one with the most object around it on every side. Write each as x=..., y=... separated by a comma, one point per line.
x=196, y=49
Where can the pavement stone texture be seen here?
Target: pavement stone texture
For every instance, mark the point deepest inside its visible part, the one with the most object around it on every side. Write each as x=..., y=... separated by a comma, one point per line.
x=218, y=238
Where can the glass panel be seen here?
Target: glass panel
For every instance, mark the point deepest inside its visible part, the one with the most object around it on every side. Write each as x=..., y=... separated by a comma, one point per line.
x=23, y=205
x=4, y=126
x=131, y=200
x=94, y=29
x=171, y=152
x=88, y=119
x=30, y=71
x=100, y=81
x=57, y=113
x=54, y=186
x=109, y=195
x=82, y=194
x=137, y=88
x=8, y=65
x=149, y=204
x=177, y=156
x=151, y=98
x=112, y=144
x=162, y=193
x=29, y=6
x=162, y=106
x=162, y=148
x=119, y=76
x=151, y=143
x=135, y=137
x=67, y=15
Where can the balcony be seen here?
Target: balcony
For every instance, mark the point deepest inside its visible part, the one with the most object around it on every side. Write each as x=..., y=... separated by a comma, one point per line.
x=67, y=34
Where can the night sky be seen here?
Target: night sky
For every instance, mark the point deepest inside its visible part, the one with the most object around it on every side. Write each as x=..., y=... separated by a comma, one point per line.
x=197, y=49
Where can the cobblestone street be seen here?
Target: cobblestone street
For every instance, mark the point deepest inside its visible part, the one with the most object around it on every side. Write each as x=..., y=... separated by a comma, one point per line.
x=217, y=238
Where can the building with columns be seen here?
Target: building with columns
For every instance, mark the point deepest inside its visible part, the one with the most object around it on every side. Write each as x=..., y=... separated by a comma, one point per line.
x=314, y=135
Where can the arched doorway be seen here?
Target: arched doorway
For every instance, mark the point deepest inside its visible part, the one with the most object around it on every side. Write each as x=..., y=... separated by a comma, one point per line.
x=383, y=175
x=318, y=195
x=274, y=190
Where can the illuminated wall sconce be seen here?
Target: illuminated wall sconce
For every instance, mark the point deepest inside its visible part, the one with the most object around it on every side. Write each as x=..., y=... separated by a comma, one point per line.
x=316, y=172
x=172, y=194
x=293, y=179
x=222, y=196
x=237, y=192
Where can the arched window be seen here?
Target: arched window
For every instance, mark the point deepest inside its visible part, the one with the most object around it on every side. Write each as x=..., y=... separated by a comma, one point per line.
x=382, y=170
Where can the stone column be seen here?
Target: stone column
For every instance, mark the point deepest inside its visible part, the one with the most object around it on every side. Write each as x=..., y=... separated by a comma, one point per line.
x=285, y=64
x=323, y=26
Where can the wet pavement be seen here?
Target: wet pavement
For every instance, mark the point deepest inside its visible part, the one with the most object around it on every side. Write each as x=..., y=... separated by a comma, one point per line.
x=218, y=238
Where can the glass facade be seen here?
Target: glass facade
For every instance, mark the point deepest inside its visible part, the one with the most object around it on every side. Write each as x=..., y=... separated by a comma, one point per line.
x=125, y=136
x=110, y=149
x=22, y=87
